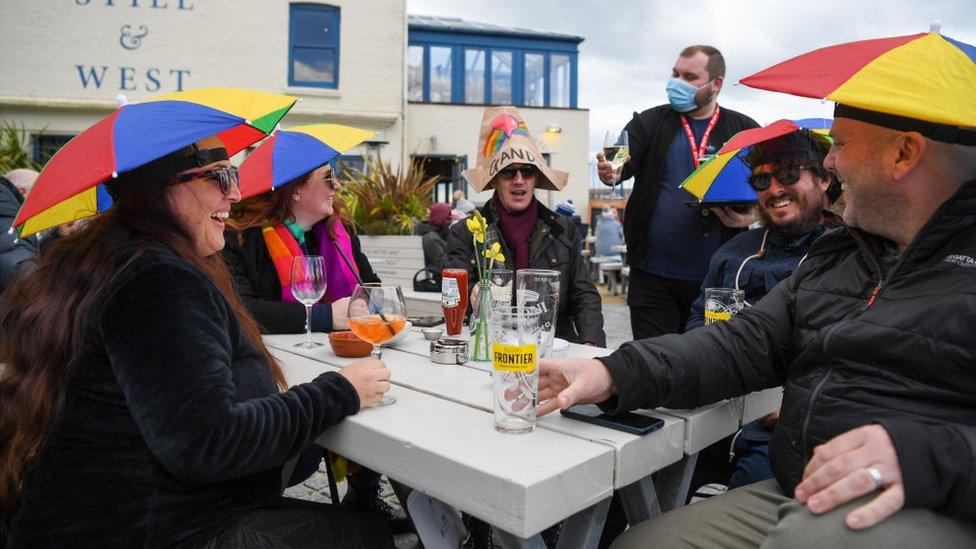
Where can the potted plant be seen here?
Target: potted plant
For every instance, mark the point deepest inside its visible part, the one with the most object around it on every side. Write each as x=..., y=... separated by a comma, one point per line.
x=381, y=200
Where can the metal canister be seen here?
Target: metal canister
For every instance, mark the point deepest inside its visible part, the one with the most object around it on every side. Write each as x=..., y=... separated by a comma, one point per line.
x=449, y=351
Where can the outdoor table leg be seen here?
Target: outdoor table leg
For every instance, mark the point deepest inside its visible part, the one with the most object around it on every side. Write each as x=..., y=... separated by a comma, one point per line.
x=511, y=541
x=580, y=531
x=672, y=483
x=640, y=501
x=583, y=529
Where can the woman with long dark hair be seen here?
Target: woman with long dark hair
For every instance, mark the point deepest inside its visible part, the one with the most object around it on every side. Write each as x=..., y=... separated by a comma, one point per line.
x=139, y=405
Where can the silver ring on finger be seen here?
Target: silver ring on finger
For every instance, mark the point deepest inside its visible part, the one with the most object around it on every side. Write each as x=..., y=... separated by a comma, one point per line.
x=876, y=475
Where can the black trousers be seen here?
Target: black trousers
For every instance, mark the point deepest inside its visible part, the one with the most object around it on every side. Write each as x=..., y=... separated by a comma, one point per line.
x=293, y=523
x=659, y=305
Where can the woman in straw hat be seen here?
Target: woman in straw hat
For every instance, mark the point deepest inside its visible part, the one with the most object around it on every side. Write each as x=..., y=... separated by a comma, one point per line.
x=140, y=406
x=531, y=235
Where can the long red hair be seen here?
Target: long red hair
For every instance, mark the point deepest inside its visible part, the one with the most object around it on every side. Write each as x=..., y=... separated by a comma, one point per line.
x=48, y=313
x=273, y=207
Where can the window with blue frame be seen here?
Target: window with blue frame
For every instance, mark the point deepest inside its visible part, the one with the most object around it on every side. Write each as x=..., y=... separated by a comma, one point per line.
x=501, y=77
x=474, y=75
x=415, y=73
x=347, y=164
x=441, y=74
x=479, y=69
x=535, y=80
x=559, y=78
x=46, y=145
x=313, y=45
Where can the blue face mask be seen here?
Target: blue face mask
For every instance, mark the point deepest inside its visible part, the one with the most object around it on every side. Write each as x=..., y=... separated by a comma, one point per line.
x=681, y=95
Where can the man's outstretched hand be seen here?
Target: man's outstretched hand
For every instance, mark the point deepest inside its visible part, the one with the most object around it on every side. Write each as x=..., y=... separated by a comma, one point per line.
x=564, y=382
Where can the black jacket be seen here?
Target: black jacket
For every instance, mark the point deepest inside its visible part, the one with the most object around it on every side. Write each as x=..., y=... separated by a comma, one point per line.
x=650, y=134
x=173, y=427
x=15, y=253
x=905, y=359
x=256, y=282
x=554, y=244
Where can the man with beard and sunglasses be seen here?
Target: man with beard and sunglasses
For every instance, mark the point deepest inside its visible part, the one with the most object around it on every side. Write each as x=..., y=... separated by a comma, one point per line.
x=793, y=191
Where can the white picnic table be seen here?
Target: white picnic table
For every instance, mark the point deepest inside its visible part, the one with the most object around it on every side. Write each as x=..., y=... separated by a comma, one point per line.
x=439, y=438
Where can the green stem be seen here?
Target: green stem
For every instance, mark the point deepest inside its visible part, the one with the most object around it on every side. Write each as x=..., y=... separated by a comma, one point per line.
x=477, y=256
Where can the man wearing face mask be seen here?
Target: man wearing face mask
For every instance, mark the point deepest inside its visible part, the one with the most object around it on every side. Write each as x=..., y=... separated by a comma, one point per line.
x=669, y=243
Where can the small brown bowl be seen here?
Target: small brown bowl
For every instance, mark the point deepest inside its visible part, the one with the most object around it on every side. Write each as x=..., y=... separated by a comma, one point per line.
x=347, y=344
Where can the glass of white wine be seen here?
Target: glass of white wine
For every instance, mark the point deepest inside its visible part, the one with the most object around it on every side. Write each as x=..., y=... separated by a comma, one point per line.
x=616, y=150
x=308, y=283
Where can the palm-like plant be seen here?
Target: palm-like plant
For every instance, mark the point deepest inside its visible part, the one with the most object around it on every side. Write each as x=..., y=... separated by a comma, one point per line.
x=13, y=148
x=386, y=201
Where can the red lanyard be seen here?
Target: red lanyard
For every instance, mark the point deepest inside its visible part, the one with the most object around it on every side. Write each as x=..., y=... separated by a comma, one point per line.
x=698, y=151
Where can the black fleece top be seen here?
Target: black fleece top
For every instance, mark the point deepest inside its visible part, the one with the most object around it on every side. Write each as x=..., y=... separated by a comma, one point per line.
x=173, y=427
x=854, y=343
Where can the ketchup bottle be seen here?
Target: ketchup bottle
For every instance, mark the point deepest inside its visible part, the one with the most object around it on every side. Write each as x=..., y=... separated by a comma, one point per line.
x=454, y=299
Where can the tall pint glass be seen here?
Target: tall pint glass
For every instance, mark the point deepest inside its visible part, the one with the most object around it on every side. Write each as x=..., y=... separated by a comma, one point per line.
x=539, y=288
x=515, y=375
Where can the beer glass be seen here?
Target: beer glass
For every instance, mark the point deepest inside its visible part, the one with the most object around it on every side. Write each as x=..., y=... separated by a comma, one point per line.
x=515, y=334
x=540, y=288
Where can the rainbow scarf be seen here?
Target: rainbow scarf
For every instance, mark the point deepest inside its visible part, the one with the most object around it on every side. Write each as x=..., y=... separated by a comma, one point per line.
x=283, y=248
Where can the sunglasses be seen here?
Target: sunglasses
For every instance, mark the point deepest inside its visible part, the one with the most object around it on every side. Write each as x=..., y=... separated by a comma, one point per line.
x=785, y=175
x=226, y=178
x=526, y=171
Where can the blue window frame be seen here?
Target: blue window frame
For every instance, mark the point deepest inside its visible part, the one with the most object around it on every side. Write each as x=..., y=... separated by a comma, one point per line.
x=313, y=45
x=454, y=67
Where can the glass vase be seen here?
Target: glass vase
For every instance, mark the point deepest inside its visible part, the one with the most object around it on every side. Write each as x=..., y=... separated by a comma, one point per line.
x=479, y=348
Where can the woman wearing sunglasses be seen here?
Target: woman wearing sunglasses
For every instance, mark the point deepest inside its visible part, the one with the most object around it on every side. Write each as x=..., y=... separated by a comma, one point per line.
x=302, y=217
x=140, y=405
x=531, y=235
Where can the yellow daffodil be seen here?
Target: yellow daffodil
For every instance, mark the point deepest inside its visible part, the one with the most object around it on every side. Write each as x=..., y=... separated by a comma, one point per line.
x=476, y=229
x=494, y=252
x=481, y=221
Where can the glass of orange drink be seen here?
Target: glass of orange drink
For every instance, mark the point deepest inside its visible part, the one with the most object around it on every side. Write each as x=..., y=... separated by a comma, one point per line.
x=377, y=314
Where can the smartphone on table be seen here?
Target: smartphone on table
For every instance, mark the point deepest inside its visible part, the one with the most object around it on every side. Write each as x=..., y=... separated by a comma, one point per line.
x=627, y=422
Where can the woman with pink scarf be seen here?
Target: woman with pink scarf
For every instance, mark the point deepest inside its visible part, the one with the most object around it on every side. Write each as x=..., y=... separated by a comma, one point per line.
x=302, y=217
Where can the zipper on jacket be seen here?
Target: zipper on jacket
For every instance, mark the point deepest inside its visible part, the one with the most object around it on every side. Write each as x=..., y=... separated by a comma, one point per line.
x=806, y=420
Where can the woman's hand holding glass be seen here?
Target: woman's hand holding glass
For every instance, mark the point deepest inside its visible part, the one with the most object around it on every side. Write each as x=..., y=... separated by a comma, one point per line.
x=370, y=377
x=377, y=314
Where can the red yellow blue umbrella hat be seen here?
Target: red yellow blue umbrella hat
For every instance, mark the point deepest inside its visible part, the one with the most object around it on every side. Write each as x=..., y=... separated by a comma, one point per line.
x=72, y=184
x=291, y=153
x=922, y=82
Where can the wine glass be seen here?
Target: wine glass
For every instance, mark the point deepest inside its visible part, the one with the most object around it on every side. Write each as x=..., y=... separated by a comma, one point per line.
x=616, y=150
x=376, y=315
x=308, y=286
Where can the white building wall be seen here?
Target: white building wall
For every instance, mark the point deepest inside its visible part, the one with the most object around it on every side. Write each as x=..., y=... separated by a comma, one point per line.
x=144, y=47
x=453, y=129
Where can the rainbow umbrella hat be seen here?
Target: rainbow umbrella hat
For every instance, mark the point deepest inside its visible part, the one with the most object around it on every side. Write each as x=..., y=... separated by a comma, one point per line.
x=291, y=153
x=724, y=179
x=71, y=185
x=926, y=76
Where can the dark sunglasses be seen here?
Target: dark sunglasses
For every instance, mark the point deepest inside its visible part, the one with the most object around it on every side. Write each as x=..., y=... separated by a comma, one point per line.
x=225, y=177
x=526, y=171
x=785, y=175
